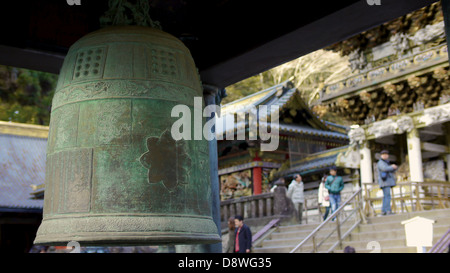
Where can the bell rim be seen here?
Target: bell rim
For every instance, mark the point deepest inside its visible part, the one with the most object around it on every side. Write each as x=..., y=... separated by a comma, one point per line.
x=127, y=239
x=122, y=229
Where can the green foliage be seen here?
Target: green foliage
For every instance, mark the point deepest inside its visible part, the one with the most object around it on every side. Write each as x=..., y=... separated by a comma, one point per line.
x=252, y=85
x=26, y=95
x=308, y=73
x=243, y=89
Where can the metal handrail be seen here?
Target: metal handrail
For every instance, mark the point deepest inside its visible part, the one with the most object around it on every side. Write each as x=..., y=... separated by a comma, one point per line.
x=264, y=230
x=332, y=216
x=442, y=245
x=268, y=229
x=412, y=196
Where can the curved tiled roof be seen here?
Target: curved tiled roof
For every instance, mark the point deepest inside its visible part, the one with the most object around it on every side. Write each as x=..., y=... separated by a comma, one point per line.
x=314, y=163
x=22, y=164
x=278, y=95
x=311, y=131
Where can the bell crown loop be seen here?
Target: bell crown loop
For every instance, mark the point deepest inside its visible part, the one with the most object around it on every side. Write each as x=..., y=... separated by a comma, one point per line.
x=125, y=13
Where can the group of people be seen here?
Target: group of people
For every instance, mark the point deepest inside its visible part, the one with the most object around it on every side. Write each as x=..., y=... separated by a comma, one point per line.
x=239, y=236
x=329, y=194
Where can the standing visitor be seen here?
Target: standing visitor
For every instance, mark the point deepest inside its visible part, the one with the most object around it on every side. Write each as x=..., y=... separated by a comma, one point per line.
x=295, y=193
x=243, y=241
x=231, y=235
x=386, y=180
x=334, y=184
x=324, y=197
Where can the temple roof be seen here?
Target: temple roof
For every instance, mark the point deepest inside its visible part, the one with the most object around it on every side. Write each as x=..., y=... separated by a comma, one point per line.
x=22, y=166
x=316, y=162
x=254, y=99
x=305, y=130
x=295, y=116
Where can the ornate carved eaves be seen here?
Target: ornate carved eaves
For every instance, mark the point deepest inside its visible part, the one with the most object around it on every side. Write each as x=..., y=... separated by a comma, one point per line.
x=357, y=135
x=350, y=158
x=438, y=114
x=382, y=128
x=400, y=124
x=391, y=126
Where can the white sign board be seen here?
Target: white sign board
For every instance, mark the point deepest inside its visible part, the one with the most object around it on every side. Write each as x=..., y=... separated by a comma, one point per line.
x=419, y=232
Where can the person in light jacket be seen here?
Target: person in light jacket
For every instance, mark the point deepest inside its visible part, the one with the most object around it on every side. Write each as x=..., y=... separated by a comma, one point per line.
x=386, y=180
x=324, y=197
x=295, y=193
x=334, y=184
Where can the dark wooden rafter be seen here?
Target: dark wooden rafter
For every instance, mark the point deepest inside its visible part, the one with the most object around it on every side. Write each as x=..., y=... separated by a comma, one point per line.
x=362, y=99
x=406, y=96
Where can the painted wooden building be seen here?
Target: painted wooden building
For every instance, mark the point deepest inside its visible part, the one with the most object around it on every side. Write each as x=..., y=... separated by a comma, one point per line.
x=244, y=169
x=397, y=97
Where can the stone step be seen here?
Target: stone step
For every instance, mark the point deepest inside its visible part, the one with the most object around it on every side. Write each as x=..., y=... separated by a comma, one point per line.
x=286, y=249
x=380, y=226
x=386, y=230
x=275, y=249
x=297, y=232
x=390, y=233
x=396, y=245
x=397, y=225
x=294, y=242
x=288, y=226
x=431, y=214
x=399, y=239
x=310, y=227
x=296, y=235
x=306, y=248
x=387, y=249
x=397, y=249
x=383, y=243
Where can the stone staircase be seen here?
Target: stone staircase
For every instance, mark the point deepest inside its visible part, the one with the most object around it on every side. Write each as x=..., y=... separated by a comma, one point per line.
x=383, y=234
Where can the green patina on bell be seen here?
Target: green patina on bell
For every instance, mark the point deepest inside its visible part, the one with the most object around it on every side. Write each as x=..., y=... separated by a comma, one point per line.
x=115, y=175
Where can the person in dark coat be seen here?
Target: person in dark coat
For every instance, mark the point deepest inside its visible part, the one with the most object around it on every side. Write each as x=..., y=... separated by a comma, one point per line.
x=386, y=180
x=243, y=240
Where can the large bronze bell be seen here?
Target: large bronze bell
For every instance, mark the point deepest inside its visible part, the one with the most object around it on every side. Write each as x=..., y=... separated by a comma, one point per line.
x=115, y=175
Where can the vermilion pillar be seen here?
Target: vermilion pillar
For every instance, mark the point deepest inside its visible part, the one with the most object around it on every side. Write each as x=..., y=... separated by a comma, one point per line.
x=257, y=180
x=257, y=176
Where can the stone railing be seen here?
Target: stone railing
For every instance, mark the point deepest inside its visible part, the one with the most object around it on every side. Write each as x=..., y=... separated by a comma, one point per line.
x=408, y=197
x=258, y=208
x=261, y=209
